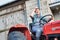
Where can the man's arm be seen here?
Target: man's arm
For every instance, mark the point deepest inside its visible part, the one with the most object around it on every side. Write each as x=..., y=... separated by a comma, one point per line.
x=32, y=14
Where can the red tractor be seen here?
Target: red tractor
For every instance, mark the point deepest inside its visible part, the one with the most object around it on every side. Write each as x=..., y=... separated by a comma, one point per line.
x=21, y=32
x=52, y=30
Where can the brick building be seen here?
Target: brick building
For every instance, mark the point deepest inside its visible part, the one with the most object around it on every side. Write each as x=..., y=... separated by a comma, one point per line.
x=55, y=8
x=18, y=12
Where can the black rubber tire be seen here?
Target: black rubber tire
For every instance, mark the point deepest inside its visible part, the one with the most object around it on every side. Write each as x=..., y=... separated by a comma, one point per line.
x=16, y=35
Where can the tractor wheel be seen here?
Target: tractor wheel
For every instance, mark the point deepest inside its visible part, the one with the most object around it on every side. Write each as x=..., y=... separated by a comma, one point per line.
x=16, y=35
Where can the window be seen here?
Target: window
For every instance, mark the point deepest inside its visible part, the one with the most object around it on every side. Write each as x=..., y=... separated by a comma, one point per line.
x=52, y=1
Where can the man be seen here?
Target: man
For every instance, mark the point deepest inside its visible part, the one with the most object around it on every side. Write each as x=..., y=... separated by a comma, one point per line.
x=36, y=22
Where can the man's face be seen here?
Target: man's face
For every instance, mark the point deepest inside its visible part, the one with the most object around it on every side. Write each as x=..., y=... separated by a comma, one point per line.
x=37, y=10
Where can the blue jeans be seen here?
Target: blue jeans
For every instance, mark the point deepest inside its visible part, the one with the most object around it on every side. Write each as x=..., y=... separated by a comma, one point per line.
x=37, y=29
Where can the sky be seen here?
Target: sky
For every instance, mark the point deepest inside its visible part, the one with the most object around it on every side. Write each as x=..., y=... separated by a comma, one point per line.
x=2, y=2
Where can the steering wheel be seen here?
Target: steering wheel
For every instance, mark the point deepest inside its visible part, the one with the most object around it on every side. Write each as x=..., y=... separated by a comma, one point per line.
x=44, y=18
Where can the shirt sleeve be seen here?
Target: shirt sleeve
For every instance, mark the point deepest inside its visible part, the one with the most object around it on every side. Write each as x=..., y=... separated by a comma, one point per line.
x=32, y=18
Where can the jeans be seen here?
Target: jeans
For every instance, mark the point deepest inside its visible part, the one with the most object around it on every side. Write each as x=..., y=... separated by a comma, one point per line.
x=37, y=29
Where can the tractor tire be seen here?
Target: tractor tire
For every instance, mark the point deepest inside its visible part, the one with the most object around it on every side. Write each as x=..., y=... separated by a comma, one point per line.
x=16, y=35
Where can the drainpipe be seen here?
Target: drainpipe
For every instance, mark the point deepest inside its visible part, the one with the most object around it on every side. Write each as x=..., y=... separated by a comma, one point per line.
x=38, y=2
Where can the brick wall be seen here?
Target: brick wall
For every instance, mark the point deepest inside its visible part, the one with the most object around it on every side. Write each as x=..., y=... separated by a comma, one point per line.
x=31, y=4
x=10, y=17
x=6, y=21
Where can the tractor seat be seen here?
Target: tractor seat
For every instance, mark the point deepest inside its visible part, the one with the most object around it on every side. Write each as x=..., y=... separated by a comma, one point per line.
x=30, y=26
